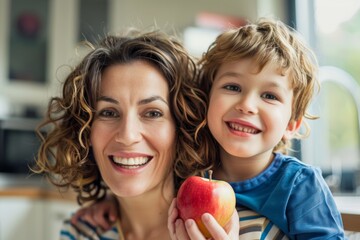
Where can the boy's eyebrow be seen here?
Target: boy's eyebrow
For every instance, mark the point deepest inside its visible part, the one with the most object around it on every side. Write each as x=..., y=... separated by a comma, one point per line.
x=231, y=74
x=141, y=102
x=236, y=74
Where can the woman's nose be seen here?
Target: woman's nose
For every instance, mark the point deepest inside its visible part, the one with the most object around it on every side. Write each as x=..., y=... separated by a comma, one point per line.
x=246, y=104
x=129, y=131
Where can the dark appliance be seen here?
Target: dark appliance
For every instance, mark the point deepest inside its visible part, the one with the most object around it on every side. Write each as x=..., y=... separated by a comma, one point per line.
x=19, y=145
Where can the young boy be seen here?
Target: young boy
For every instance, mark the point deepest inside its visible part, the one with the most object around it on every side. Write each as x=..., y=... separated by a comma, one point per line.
x=260, y=79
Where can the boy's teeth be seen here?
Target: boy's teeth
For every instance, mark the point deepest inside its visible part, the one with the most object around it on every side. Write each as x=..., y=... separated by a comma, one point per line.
x=242, y=128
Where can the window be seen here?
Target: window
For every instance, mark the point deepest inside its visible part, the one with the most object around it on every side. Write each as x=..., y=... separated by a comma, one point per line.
x=93, y=22
x=331, y=27
x=28, y=43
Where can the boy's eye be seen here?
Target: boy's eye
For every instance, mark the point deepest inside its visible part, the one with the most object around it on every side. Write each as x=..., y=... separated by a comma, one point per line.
x=232, y=87
x=269, y=96
x=154, y=114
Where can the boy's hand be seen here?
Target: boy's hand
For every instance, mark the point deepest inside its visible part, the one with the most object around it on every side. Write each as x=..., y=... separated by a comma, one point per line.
x=101, y=214
x=188, y=230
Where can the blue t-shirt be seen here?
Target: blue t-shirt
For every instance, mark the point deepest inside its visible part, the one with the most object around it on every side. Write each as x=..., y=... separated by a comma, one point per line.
x=295, y=197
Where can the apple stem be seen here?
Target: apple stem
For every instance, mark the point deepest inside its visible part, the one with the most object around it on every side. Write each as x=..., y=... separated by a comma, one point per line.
x=210, y=175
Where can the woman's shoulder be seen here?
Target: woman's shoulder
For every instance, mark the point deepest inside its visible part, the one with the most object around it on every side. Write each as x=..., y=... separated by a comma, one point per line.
x=84, y=231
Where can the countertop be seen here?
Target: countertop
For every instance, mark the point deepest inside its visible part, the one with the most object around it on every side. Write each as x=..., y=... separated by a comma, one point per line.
x=33, y=187
x=349, y=207
x=37, y=193
x=348, y=203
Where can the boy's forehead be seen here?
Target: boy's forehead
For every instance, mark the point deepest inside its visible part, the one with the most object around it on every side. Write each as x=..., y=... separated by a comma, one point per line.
x=250, y=68
x=252, y=65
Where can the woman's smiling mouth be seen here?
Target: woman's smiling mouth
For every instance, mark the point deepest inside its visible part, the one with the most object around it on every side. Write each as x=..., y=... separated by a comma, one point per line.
x=133, y=162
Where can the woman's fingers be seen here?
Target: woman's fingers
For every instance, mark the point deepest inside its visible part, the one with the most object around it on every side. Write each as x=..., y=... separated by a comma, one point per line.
x=180, y=230
x=76, y=216
x=214, y=228
x=233, y=226
x=193, y=231
x=172, y=215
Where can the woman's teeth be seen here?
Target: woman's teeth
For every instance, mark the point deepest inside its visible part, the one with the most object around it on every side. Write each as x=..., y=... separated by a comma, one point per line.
x=130, y=162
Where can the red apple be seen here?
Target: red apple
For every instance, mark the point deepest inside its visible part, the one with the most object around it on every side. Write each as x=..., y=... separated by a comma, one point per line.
x=199, y=195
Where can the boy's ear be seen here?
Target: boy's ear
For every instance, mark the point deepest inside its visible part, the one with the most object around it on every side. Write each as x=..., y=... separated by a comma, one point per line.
x=292, y=128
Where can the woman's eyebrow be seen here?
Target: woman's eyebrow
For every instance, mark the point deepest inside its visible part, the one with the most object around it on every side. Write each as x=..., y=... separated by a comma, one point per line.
x=107, y=99
x=151, y=99
x=141, y=102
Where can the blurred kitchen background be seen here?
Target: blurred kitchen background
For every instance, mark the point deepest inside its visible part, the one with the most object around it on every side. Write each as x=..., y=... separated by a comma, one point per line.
x=40, y=39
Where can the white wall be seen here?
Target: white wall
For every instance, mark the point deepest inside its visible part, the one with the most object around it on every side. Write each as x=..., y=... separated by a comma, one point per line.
x=180, y=14
x=167, y=14
x=174, y=13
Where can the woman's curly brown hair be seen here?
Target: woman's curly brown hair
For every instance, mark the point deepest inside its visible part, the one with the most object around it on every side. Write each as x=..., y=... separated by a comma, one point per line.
x=65, y=154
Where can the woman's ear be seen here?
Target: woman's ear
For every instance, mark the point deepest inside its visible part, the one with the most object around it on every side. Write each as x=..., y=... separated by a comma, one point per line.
x=292, y=128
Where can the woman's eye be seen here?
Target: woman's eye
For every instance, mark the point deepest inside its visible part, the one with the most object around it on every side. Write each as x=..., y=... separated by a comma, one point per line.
x=154, y=114
x=234, y=88
x=269, y=96
x=108, y=114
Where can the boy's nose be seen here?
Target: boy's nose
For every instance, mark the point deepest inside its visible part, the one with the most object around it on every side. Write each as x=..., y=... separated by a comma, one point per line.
x=246, y=105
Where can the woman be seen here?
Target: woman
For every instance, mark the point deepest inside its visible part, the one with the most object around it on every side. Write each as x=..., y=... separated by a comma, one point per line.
x=125, y=123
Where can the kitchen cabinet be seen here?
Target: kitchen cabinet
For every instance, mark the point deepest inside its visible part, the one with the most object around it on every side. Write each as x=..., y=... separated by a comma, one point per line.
x=55, y=212
x=37, y=59
x=60, y=42
x=36, y=214
x=21, y=218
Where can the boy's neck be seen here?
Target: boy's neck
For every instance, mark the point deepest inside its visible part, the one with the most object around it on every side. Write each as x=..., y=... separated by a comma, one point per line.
x=235, y=169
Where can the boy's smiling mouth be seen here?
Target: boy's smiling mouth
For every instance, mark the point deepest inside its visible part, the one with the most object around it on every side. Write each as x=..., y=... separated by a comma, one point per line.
x=242, y=128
